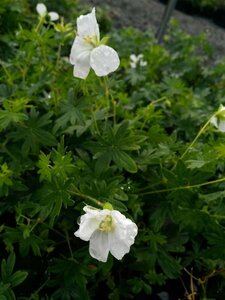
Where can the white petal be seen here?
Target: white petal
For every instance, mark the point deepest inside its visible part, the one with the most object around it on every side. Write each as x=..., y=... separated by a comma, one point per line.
x=118, y=248
x=54, y=16
x=41, y=9
x=104, y=60
x=143, y=63
x=140, y=56
x=133, y=57
x=99, y=245
x=87, y=227
x=80, y=57
x=221, y=126
x=133, y=64
x=91, y=210
x=214, y=122
x=87, y=25
x=123, y=236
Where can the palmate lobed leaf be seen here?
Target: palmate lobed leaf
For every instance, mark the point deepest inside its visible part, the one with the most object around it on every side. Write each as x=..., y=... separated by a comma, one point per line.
x=32, y=134
x=124, y=161
x=8, y=117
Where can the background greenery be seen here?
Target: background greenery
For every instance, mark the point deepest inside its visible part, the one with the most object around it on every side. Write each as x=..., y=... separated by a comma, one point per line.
x=64, y=142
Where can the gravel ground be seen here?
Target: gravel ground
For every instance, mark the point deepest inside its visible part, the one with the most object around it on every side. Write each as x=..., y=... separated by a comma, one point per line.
x=147, y=15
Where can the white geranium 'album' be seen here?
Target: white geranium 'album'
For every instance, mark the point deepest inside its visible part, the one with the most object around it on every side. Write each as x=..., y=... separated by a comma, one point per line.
x=88, y=52
x=108, y=231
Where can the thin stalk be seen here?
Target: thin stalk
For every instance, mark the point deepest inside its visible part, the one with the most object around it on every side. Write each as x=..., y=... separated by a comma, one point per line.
x=186, y=187
x=151, y=104
x=7, y=73
x=196, y=138
x=59, y=54
x=39, y=289
x=99, y=203
x=40, y=23
x=68, y=243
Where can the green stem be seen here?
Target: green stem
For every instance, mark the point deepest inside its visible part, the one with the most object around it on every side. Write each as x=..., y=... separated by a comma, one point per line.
x=183, y=187
x=105, y=81
x=58, y=54
x=78, y=193
x=196, y=138
x=38, y=290
x=68, y=243
x=110, y=102
x=7, y=73
x=40, y=23
x=164, y=98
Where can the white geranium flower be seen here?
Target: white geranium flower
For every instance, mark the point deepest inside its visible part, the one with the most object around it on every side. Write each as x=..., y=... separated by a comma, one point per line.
x=108, y=231
x=136, y=60
x=42, y=11
x=219, y=120
x=88, y=52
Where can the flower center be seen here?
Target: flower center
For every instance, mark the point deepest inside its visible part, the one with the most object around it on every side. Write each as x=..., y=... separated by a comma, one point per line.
x=92, y=40
x=106, y=224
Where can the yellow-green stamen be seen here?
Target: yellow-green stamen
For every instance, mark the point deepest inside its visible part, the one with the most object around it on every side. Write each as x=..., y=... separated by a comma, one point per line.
x=106, y=224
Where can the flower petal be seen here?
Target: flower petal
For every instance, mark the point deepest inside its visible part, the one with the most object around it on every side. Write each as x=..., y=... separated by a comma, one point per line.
x=41, y=9
x=99, y=245
x=143, y=63
x=133, y=57
x=80, y=58
x=104, y=60
x=87, y=25
x=214, y=121
x=123, y=236
x=221, y=125
x=54, y=16
x=88, y=224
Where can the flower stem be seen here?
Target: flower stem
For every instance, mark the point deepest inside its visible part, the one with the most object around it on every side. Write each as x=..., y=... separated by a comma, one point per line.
x=186, y=187
x=152, y=103
x=68, y=243
x=38, y=290
x=195, y=139
x=109, y=97
x=106, y=88
x=78, y=193
x=40, y=23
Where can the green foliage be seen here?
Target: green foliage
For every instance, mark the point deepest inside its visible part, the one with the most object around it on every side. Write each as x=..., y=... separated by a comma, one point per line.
x=210, y=4
x=9, y=278
x=126, y=140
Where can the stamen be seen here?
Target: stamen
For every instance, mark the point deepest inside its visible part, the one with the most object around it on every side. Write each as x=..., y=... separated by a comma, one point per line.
x=92, y=40
x=106, y=224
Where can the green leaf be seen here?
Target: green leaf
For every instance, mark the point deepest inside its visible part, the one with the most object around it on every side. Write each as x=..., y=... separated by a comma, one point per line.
x=103, y=162
x=196, y=164
x=8, y=117
x=170, y=266
x=45, y=167
x=32, y=133
x=124, y=161
x=18, y=277
x=11, y=263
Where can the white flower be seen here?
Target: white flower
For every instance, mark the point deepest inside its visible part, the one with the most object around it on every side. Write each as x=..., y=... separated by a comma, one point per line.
x=87, y=51
x=137, y=60
x=108, y=231
x=42, y=11
x=219, y=120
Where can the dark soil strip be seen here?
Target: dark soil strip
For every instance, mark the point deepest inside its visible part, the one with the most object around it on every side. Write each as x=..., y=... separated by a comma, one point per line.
x=147, y=15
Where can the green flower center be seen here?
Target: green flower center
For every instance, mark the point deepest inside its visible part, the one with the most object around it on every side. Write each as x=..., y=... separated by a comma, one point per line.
x=92, y=40
x=106, y=224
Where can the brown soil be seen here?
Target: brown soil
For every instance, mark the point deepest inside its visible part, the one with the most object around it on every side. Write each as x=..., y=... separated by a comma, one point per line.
x=147, y=15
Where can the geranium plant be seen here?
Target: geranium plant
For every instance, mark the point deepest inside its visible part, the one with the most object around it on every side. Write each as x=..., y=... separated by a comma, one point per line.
x=112, y=185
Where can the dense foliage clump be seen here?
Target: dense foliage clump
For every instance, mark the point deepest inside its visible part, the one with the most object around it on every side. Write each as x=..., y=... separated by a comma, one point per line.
x=140, y=139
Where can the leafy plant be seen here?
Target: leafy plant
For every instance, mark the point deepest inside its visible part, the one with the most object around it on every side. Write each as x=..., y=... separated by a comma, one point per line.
x=141, y=139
